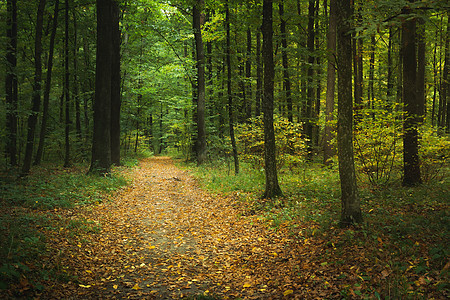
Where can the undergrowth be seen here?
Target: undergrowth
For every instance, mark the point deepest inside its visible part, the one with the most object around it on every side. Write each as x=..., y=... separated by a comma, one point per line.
x=400, y=250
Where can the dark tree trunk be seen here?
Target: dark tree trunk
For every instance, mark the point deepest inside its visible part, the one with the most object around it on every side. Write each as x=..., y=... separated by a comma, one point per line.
x=248, y=75
x=370, y=85
x=411, y=166
x=11, y=82
x=446, y=80
x=351, y=211
x=310, y=76
x=76, y=97
x=115, y=87
x=36, y=98
x=229, y=92
x=272, y=188
x=421, y=64
x=66, y=87
x=286, y=77
x=259, y=74
x=198, y=19
x=328, y=150
x=101, y=139
x=390, y=81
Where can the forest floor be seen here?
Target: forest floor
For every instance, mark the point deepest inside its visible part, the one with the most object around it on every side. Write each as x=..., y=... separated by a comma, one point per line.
x=163, y=237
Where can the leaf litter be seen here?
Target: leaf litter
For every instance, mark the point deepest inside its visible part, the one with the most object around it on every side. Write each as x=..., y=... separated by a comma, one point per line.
x=163, y=237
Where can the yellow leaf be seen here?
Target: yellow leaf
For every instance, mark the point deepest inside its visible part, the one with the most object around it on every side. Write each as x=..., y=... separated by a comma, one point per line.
x=85, y=286
x=247, y=285
x=115, y=286
x=136, y=287
x=288, y=292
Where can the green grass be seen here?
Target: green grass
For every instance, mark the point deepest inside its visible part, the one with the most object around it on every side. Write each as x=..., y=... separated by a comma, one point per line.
x=405, y=230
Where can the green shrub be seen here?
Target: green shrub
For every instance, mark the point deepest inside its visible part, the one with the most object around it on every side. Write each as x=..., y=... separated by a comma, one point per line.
x=290, y=143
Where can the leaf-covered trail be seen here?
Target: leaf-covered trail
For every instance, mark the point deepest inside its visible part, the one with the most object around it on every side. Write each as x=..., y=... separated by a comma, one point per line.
x=163, y=237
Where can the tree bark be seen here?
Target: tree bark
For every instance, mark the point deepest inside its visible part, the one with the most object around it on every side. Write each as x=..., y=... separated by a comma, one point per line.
x=116, y=101
x=310, y=77
x=229, y=92
x=411, y=165
x=328, y=150
x=66, y=87
x=36, y=98
x=272, y=188
x=11, y=82
x=259, y=74
x=285, y=61
x=248, y=75
x=351, y=211
x=198, y=19
x=101, y=139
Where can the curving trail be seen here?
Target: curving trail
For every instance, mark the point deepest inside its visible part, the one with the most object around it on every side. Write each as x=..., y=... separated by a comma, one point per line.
x=163, y=237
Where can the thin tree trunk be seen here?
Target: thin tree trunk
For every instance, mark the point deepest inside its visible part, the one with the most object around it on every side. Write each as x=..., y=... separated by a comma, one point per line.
x=11, y=83
x=328, y=150
x=310, y=76
x=370, y=85
x=76, y=97
x=446, y=80
x=421, y=64
x=286, y=77
x=36, y=98
x=411, y=165
x=229, y=92
x=66, y=87
x=390, y=83
x=198, y=19
x=45, y=114
x=248, y=75
x=272, y=188
x=116, y=101
x=351, y=211
x=259, y=74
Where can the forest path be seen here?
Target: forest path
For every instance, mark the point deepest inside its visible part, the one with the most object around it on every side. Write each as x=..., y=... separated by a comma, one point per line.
x=163, y=237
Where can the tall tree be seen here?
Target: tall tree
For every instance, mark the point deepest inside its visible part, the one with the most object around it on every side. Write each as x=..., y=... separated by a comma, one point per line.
x=331, y=84
x=411, y=103
x=272, y=188
x=198, y=20
x=116, y=79
x=36, y=97
x=66, y=87
x=48, y=84
x=101, y=139
x=259, y=74
x=11, y=82
x=285, y=62
x=229, y=91
x=351, y=211
x=310, y=75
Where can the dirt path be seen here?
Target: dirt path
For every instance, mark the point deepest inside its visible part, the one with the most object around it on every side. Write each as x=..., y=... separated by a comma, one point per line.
x=163, y=238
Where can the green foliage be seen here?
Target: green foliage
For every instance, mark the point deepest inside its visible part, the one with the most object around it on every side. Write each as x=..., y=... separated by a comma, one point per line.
x=378, y=141
x=290, y=144
x=434, y=153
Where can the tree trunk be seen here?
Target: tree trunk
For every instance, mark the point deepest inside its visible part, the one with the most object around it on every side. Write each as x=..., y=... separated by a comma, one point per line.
x=115, y=87
x=229, y=92
x=446, y=80
x=370, y=85
x=286, y=78
x=248, y=75
x=390, y=81
x=198, y=19
x=421, y=65
x=66, y=87
x=36, y=98
x=76, y=97
x=11, y=82
x=310, y=76
x=328, y=150
x=272, y=188
x=101, y=139
x=411, y=166
x=351, y=211
x=259, y=74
